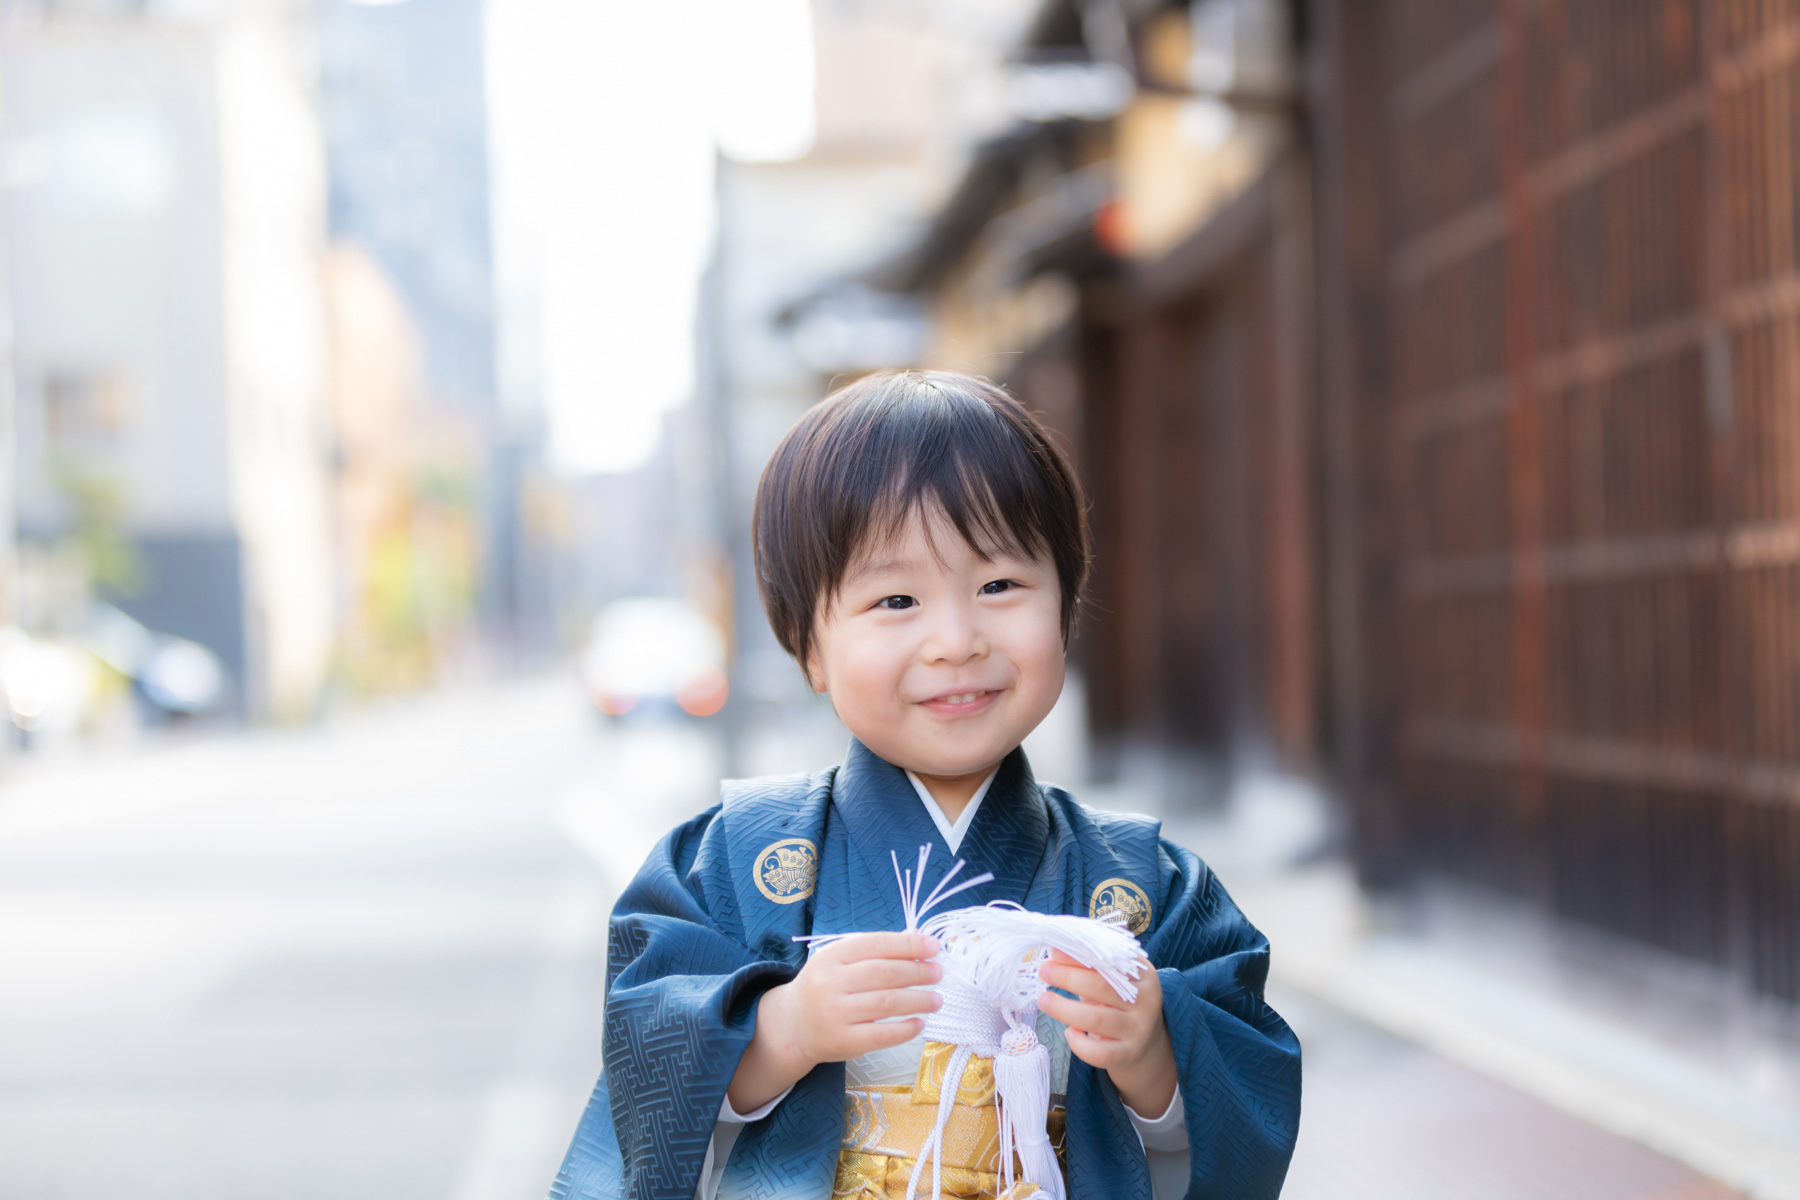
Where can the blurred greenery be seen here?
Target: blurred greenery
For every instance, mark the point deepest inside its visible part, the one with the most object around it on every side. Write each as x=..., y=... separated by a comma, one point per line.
x=97, y=529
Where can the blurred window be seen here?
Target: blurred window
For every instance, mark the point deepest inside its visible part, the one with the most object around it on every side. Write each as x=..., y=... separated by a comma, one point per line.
x=82, y=408
x=116, y=161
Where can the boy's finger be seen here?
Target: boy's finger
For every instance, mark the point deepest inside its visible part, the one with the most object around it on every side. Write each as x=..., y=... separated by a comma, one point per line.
x=861, y=946
x=1090, y=1018
x=864, y=1038
x=1083, y=982
x=1095, y=1051
x=877, y=974
x=861, y=1007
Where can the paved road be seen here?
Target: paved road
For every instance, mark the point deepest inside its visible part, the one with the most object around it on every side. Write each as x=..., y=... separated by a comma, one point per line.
x=367, y=961
x=362, y=961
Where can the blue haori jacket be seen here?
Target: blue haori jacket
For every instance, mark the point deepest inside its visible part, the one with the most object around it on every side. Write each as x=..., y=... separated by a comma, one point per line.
x=708, y=926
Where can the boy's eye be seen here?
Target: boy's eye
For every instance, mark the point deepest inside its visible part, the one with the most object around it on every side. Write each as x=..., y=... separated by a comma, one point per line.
x=996, y=587
x=895, y=602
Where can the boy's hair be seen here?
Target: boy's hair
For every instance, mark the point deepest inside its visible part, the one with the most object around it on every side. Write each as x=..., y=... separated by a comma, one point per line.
x=869, y=455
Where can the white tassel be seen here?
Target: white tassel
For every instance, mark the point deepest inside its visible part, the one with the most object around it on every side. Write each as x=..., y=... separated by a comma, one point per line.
x=1022, y=1081
x=996, y=950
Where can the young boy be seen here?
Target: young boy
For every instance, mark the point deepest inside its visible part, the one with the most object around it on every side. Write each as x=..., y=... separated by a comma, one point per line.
x=921, y=548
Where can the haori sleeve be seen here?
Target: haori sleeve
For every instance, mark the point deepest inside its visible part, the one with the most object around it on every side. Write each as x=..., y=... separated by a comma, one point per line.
x=681, y=1004
x=1237, y=1061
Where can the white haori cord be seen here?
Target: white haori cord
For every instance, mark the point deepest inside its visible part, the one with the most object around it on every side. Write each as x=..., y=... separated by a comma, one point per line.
x=990, y=955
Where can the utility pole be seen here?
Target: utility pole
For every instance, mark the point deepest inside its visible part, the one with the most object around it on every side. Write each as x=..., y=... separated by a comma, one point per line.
x=9, y=394
x=727, y=528
x=9, y=454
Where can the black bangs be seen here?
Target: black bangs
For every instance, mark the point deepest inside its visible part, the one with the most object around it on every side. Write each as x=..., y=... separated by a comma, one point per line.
x=951, y=452
x=872, y=454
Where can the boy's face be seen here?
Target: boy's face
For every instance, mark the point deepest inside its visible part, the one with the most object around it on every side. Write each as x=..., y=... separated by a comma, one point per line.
x=936, y=659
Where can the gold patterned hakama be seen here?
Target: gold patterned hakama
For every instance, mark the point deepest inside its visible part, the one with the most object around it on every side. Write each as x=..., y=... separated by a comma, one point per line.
x=885, y=1128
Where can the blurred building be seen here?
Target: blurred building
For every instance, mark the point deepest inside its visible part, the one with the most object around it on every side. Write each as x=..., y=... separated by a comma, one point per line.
x=404, y=108
x=897, y=87
x=1432, y=367
x=404, y=105
x=403, y=506
x=165, y=220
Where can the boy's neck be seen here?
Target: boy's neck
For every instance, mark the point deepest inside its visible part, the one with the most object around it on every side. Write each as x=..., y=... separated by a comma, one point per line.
x=953, y=792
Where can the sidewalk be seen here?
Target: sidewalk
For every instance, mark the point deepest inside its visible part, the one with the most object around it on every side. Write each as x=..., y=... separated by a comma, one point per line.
x=1388, y=1119
x=1457, y=1061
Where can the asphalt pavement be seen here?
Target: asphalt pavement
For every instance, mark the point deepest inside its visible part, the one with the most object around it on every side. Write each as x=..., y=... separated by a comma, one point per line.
x=364, y=960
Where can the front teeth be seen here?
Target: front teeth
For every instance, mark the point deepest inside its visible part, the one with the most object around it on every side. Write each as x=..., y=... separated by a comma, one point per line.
x=964, y=698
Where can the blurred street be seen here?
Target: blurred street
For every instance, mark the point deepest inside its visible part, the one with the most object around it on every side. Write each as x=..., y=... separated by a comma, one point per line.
x=368, y=960
x=361, y=961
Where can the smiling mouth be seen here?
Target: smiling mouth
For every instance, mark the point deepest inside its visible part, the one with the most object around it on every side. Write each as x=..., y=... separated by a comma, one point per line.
x=961, y=702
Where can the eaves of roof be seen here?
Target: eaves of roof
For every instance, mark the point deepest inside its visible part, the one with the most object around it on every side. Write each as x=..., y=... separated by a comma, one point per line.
x=988, y=187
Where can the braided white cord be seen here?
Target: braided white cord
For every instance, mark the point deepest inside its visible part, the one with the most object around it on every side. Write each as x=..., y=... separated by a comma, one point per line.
x=934, y=1145
x=966, y=1019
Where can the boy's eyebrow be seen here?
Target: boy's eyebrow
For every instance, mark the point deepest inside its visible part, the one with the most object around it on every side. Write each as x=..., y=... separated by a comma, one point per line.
x=881, y=566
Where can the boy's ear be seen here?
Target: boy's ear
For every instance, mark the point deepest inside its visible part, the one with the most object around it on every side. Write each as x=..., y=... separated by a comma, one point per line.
x=810, y=666
x=815, y=679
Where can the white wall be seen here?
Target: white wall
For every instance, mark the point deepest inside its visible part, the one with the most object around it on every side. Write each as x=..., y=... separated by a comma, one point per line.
x=116, y=261
x=166, y=233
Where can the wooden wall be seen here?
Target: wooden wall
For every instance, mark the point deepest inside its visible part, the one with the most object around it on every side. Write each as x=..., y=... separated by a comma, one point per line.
x=1560, y=403
x=1197, y=440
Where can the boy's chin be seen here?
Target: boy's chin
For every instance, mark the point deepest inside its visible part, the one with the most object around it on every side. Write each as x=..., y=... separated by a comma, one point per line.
x=929, y=756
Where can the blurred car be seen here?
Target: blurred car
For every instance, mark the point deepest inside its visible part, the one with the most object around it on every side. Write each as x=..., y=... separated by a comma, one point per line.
x=47, y=687
x=172, y=677
x=651, y=654
x=53, y=688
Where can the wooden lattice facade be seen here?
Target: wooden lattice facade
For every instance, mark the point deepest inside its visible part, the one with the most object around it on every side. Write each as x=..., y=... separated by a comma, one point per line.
x=1196, y=438
x=1560, y=403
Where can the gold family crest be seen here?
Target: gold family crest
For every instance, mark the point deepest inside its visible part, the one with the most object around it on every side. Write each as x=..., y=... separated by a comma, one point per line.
x=787, y=870
x=1125, y=898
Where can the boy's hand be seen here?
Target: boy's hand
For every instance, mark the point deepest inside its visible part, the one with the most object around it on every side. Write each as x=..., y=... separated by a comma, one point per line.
x=832, y=1011
x=1127, y=1041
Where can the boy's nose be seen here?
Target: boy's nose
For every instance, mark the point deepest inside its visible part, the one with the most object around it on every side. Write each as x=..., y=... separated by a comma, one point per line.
x=955, y=637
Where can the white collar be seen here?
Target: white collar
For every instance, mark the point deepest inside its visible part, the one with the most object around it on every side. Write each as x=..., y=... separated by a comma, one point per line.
x=953, y=834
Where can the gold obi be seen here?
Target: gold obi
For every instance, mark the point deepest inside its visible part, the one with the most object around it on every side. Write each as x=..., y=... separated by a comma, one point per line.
x=885, y=1128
